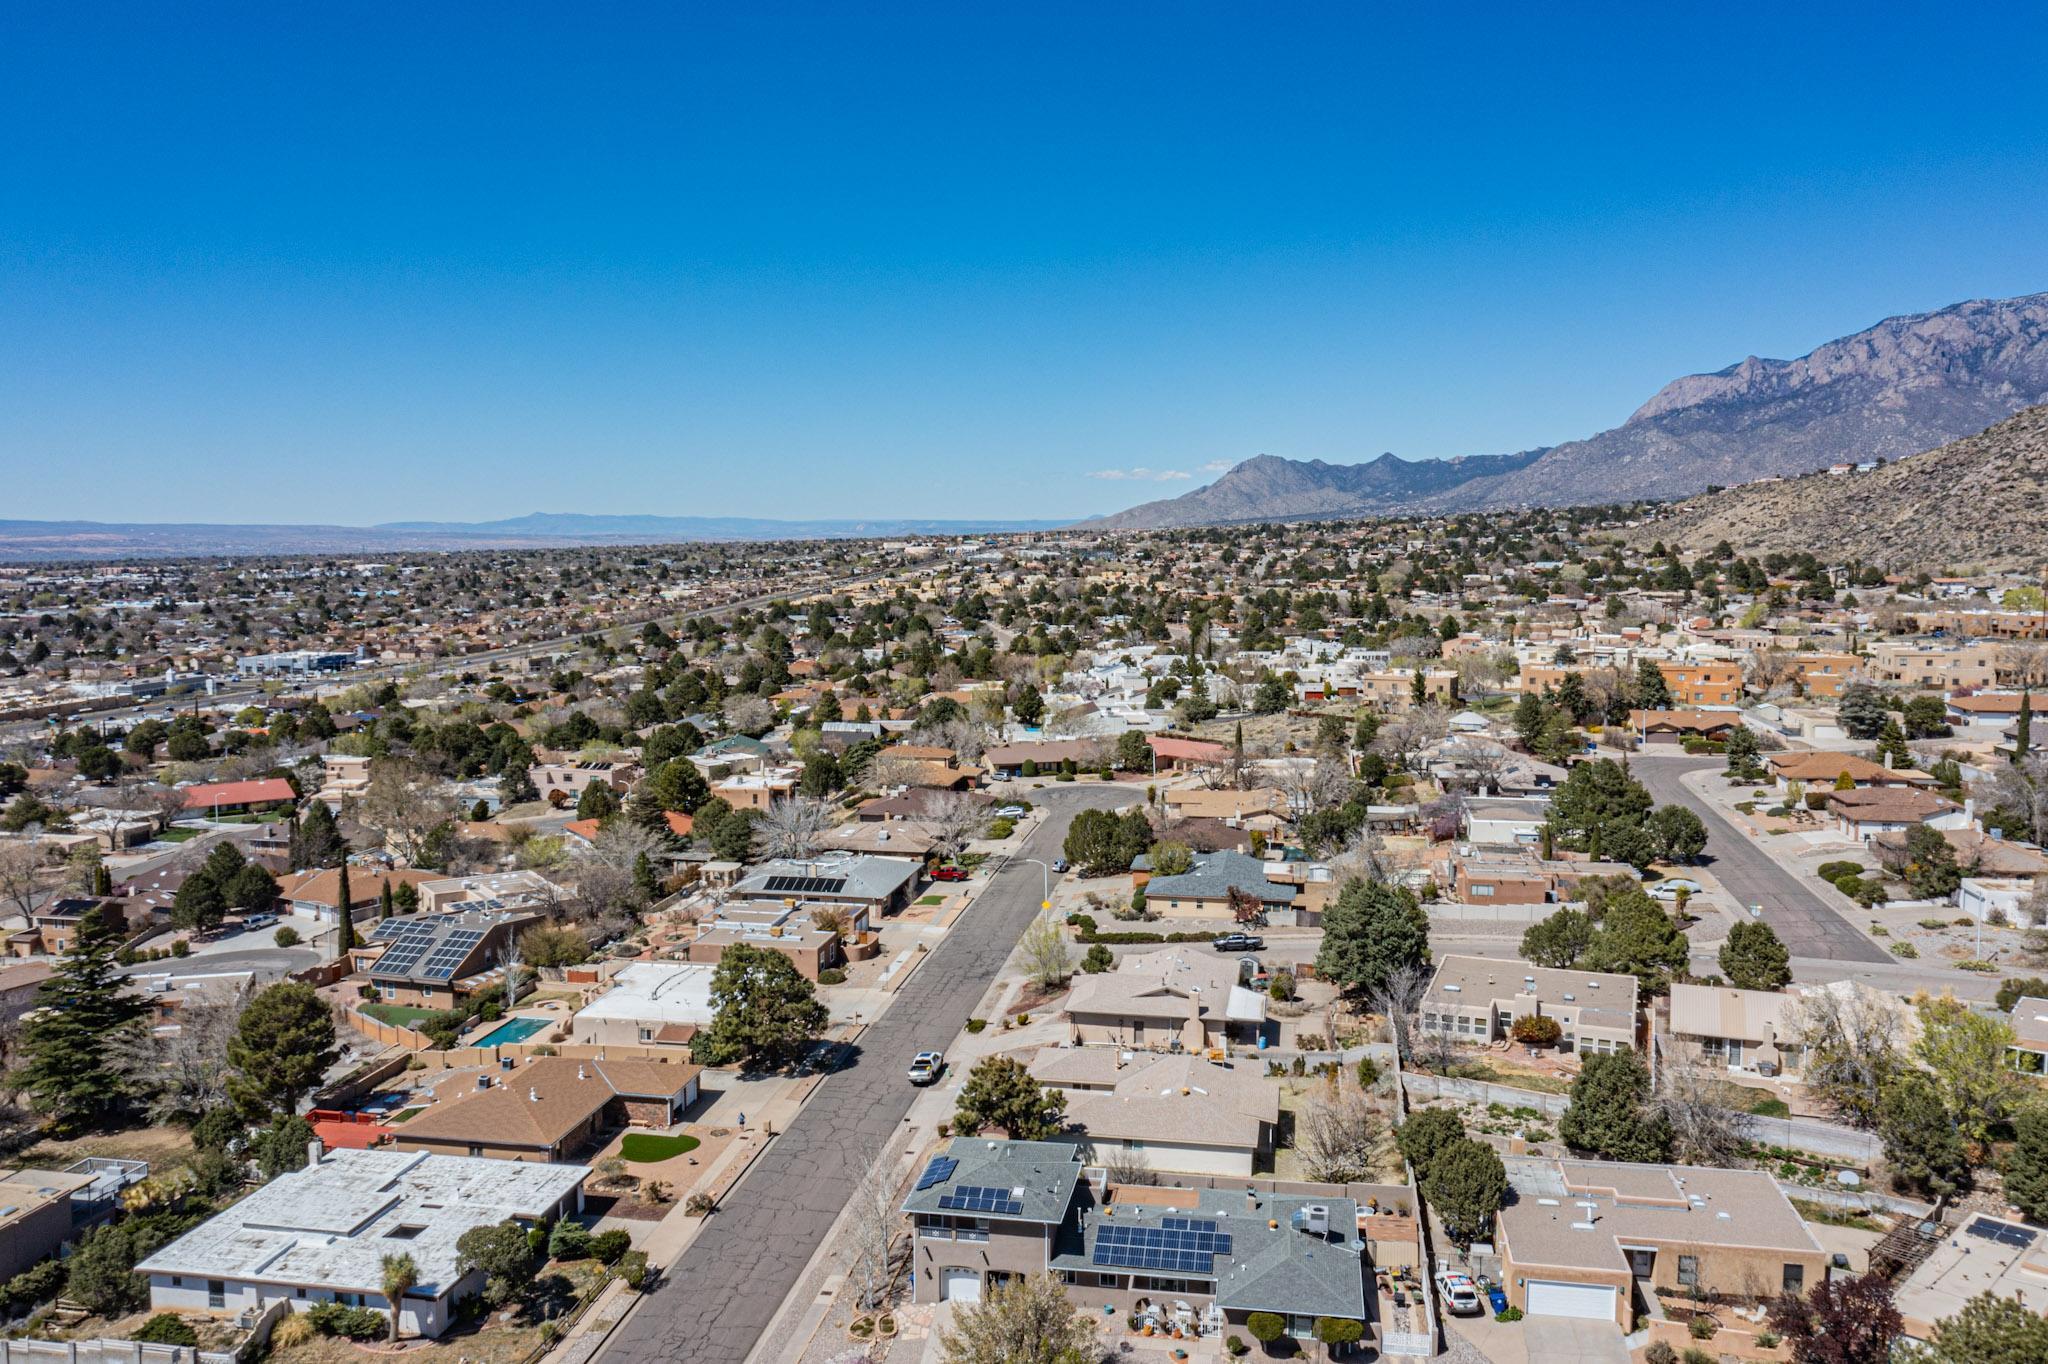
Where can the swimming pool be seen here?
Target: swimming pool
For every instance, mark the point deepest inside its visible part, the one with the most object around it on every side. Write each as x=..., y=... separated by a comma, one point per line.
x=511, y=1030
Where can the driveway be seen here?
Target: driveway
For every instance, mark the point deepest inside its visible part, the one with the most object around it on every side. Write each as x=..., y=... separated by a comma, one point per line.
x=1562, y=1340
x=714, y=1303
x=1805, y=923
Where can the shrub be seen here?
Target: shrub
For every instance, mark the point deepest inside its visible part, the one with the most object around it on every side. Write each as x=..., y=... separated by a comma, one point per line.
x=1835, y=871
x=1696, y=1355
x=1235, y=1344
x=1702, y=1327
x=1368, y=1072
x=1771, y=1108
x=286, y=936
x=32, y=1287
x=1660, y=1352
x=831, y=975
x=1339, y=1330
x=291, y=1333
x=1265, y=1327
x=1537, y=1030
x=1282, y=987
x=1508, y=1314
x=1098, y=959
x=608, y=1246
x=633, y=1268
x=1001, y=828
x=976, y=1024
x=355, y=1323
x=1905, y=949
x=569, y=1241
x=167, y=1328
x=698, y=1204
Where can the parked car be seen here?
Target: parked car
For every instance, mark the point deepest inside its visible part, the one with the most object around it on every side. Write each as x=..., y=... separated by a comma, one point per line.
x=927, y=1067
x=263, y=920
x=1059, y=866
x=1011, y=812
x=948, y=874
x=1459, y=1293
x=1239, y=942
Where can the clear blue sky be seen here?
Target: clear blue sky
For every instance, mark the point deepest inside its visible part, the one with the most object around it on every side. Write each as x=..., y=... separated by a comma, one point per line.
x=358, y=263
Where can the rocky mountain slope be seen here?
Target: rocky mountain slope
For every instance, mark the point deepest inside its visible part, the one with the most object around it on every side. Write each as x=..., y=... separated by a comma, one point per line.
x=1904, y=385
x=1976, y=503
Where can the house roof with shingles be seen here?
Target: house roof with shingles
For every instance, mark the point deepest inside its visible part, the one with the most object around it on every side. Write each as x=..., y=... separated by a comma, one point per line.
x=1214, y=875
x=1041, y=1175
x=544, y=1101
x=1828, y=768
x=1888, y=805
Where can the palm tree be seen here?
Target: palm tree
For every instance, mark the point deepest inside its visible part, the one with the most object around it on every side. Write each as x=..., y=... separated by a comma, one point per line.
x=400, y=1274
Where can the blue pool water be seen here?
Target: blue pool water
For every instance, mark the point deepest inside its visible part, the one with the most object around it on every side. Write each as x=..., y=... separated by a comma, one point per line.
x=511, y=1030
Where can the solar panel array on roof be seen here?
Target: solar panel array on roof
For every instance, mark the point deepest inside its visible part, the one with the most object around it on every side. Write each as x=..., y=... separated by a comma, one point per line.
x=422, y=947
x=805, y=885
x=938, y=1172
x=2005, y=1233
x=981, y=1198
x=1183, y=1249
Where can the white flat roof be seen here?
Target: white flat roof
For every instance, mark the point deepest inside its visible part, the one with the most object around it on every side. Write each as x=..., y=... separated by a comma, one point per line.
x=652, y=991
x=331, y=1224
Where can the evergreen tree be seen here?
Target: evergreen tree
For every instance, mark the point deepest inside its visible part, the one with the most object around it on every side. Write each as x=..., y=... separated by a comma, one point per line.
x=1530, y=716
x=1989, y=1330
x=1861, y=711
x=1921, y=1144
x=1000, y=1092
x=1652, y=691
x=84, y=1022
x=316, y=839
x=2023, y=728
x=1558, y=941
x=1742, y=752
x=344, y=912
x=1891, y=745
x=1610, y=1114
x=387, y=903
x=765, y=1013
x=1753, y=959
x=2026, y=1163
x=1370, y=932
x=283, y=1044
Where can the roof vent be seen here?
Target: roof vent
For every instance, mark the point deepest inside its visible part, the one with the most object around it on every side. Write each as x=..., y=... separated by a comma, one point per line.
x=1547, y=1202
x=1569, y=998
x=1452, y=989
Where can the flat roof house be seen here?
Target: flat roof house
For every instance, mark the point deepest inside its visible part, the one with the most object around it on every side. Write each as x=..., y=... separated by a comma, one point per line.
x=36, y=1214
x=1478, y=999
x=881, y=885
x=986, y=1212
x=2028, y=1053
x=320, y=1234
x=650, y=1003
x=551, y=1108
x=1585, y=1239
x=1981, y=1254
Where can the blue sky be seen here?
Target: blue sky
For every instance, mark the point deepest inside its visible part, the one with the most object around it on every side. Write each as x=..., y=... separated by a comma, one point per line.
x=362, y=263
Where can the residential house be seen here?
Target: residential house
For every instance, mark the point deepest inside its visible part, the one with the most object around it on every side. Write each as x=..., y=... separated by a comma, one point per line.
x=986, y=1212
x=560, y=781
x=1204, y=890
x=2028, y=1053
x=433, y=961
x=1863, y=814
x=1506, y=822
x=1042, y=755
x=878, y=885
x=917, y=803
x=810, y=935
x=1996, y=708
x=1178, y=1113
x=649, y=1004
x=759, y=789
x=36, y=1214
x=321, y=1234
x=1263, y=808
x=1179, y=998
x=515, y=890
x=1676, y=726
x=1171, y=754
x=550, y=1108
x=1478, y=999
x=318, y=892
x=1587, y=1239
x=1740, y=1030
x=1702, y=684
x=1933, y=667
x=1822, y=771
x=1824, y=675
x=1979, y=1254
x=218, y=798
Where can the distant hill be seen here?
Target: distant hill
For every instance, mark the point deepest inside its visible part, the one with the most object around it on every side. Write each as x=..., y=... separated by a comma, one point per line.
x=43, y=540
x=1904, y=385
x=1980, y=502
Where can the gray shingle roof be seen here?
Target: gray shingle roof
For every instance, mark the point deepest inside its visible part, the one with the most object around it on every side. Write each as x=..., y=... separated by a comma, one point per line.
x=1215, y=875
x=1042, y=1176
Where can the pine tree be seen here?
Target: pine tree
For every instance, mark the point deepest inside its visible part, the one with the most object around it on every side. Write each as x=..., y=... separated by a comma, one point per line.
x=84, y=1020
x=344, y=913
x=386, y=904
x=2023, y=732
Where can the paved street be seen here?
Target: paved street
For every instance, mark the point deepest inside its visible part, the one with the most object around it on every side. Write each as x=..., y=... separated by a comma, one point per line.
x=715, y=1302
x=1803, y=922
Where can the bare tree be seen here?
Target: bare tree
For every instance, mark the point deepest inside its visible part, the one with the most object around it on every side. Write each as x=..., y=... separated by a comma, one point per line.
x=2023, y=663
x=2023, y=789
x=1707, y=1127
x=954, y=819
x=872, y=1226
x=1482, y=764
x=1339, y=1133
x=1048, y=960
x=1855, y=1043
x=1364, y=858
x=1410, y=732
x=1399, y=1001
x=793, y=828
x=405, y=804
x=21, y=871
x=189, y=1064
x=1123, y=1166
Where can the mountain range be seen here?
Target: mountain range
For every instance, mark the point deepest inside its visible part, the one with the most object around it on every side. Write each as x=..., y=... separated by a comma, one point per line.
x=45, y=540
x=1976, y=504
x=1905, y=385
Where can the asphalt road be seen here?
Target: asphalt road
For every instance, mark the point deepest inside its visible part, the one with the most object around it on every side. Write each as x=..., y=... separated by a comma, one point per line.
x=1806, y=924
x=715, y=1302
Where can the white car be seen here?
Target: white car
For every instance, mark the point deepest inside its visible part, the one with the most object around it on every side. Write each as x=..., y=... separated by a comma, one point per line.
x=1460, y=1294
x=926, y=1067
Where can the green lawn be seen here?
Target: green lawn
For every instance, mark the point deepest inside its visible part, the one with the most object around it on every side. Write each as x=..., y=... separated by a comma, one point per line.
x=176, y=835
x=397, y=1015
x=933, y=900
x=645, y=1147
x=404, y=1115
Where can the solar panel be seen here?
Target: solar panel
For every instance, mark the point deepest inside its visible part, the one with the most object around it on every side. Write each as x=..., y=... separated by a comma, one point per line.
x=2005, y=1233
x=981, y=1198
x=804, y=885
x=938, y=1172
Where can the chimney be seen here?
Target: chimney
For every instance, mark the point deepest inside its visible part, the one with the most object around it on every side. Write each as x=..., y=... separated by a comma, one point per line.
x=581, y=1074
x=314, y=1151
x=532, y=1095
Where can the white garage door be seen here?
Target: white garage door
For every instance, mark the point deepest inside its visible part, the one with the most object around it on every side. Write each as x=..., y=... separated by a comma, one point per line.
x=960, y=1285
x=1591, y=1302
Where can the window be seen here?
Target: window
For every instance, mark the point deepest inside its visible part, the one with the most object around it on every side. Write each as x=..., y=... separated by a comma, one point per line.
x=177, y=1281
x=1688, y=1271
x=934, y=1228
x=1482, y=890
x=977, y=1231
x=216, y=1293
x=1795, y=1279
x=647, y=1034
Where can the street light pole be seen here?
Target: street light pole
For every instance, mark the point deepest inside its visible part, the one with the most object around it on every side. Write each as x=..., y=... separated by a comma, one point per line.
x=1045, y=880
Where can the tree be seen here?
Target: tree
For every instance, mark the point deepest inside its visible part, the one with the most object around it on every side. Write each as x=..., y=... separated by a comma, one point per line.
x=1265, y=1327
x=793, y=828
x=282, y=1046
x=1698, y=1104
x=1046, y=956
x=84, y=1022
x=1921, y=1145
x=1000, y=1092
x=1861, y=711
x=766, y=1015
x=399, y=1275
x=545, y=945
x=678, y=784
x=1989, y=1330
x=2025, y=1165
x=225, y=880
x=1102, y=844
x=1426, y=1135
x=1169, y=857
x=1028, y=1320
x=1466, y=1185
x=101, y=1273
x=1272, y=695
x=1743, y=754
x=1676, y=833
x=1371, y=931
x=1840, y=1321
x=1652, y=691
x=1931, y=870
x=597, y=801
x=1133, y=754
x=404, y=802
x=504, y=1255
x=1338, y=1133
x=1925, y=717
x=2023, y=728
x=1600, y=810
x=1611, y=1115
x=1029, y=706
x=1097, y=959
x=2016, y=988
x=316, y=839
x=1854, y=1040
x=1637, y=936
x=1560, y=940
x=1964, y=1054
x=281, y=1147
x=1753, y=959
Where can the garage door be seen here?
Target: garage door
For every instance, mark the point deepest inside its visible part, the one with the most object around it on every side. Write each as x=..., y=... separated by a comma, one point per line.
x=961, y=1285
x=1591, y=1302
